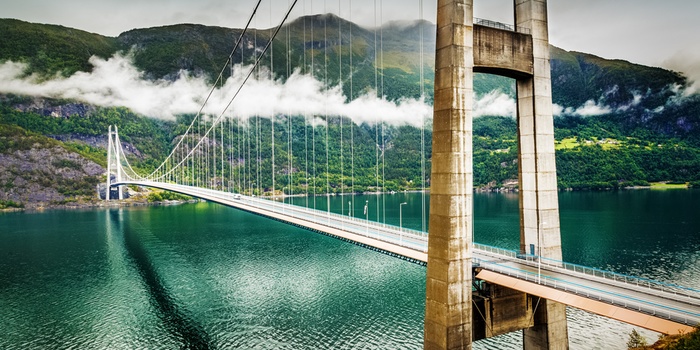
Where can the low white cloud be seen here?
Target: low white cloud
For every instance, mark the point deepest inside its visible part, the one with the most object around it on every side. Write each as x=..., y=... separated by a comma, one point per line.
x=495, y=103
x=687, y=62
x=589, y=109
x=116, y=82
x=678, y=95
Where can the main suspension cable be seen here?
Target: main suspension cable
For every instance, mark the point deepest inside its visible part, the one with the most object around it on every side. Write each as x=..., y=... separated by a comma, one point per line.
x=211, y=91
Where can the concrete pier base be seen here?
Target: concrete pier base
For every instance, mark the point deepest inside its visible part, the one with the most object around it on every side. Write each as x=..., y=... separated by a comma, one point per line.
x=499, y=310
x=549, y=331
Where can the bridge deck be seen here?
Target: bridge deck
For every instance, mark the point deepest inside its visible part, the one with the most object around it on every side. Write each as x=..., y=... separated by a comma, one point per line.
x=584, y=303
x=652, y=305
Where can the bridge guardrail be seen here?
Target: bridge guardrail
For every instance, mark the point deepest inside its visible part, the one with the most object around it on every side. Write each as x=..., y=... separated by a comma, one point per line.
x=678, y=315
x=413, y=239
x=499, y=25
x=374, y=229
x=693, y=295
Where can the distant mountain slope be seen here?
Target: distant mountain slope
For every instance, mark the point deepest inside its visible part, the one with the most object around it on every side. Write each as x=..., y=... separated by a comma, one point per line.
x=49, y=49
x=386, y=59
x=618, y=123
x=578, y=77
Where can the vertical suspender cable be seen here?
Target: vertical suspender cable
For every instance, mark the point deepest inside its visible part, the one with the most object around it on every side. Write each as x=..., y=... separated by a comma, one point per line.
x=198, y=161
x=313, y=124
x=340, y=83
x=210, y=159
x=230, y=157
x=306, y=130
x=422, y=123
x=272, y=117
x=257, y=160
x=257, y=127
x=238, y=151
x=325, y=83
x=290, y=157
x=206, y=157
x=376, y=118
x=238, y=142
x=212, y=156
x=352, y=122
x=381, y=59
x=251, y=161
x=223, y=177
x=258, y=155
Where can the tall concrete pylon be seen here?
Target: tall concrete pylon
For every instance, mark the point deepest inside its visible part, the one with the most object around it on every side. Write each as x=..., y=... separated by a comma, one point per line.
x=463, y=48
x=539, y=203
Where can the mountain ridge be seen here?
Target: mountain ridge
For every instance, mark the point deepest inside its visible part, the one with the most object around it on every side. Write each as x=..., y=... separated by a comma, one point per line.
x=618, y=123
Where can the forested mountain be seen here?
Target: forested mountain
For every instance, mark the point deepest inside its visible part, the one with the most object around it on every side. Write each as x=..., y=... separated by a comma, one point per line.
x=617, y=123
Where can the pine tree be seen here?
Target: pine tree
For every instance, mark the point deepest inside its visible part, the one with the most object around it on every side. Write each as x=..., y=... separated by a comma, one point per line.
x=636, y=340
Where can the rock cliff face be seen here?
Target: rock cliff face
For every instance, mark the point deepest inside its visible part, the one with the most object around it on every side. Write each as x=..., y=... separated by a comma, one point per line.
x=47, y=175
x=99, y=142
x=46, y=107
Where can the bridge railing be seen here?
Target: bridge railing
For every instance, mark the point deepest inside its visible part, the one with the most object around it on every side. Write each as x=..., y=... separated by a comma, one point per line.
x=340, y=221
x=411, y=239
x=404, y=237
x=553, y=264
x=499, y=25
x=640, y=282
x=687, y=317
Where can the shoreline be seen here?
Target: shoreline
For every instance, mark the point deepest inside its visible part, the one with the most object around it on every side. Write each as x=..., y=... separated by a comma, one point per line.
x=101, y=203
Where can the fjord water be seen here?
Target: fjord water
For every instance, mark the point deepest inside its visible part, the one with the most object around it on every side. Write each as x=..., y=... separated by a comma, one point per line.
x=206, y=276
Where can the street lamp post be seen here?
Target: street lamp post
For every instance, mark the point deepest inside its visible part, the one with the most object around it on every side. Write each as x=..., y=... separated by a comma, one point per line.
x=539, y=252
x=367, y=216
x=401, y=221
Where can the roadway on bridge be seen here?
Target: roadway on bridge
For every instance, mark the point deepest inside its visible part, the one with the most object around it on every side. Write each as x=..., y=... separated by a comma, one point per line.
x=653, y=305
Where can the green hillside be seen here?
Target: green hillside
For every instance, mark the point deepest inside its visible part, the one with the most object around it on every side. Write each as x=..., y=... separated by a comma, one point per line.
x=649, y=133
x=51, y=49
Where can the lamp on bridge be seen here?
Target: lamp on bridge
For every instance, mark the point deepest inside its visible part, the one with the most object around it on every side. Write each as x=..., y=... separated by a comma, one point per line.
x=401, y=214
x=367, y=216
x=401, y=221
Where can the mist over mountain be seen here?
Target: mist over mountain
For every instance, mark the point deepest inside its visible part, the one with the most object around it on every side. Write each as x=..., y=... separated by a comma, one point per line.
x=386, y=60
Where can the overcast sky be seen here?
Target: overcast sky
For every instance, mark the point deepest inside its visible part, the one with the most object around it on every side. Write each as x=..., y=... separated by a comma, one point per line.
x=651, y=32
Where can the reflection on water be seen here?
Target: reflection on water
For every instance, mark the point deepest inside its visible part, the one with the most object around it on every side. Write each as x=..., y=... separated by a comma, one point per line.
x=172, y=316
x=206, y=276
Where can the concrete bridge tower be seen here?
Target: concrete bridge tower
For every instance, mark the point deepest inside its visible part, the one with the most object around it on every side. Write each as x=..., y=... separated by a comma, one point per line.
x=464, y=47
x=113, y=163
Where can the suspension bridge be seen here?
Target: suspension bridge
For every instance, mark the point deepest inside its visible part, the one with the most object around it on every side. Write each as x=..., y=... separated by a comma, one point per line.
x=219, y=158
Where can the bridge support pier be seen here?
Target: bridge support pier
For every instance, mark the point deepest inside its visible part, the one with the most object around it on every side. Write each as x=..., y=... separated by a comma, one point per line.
x=549, y=331
x=522, y=54
x=448, y=313
x=500, y=310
